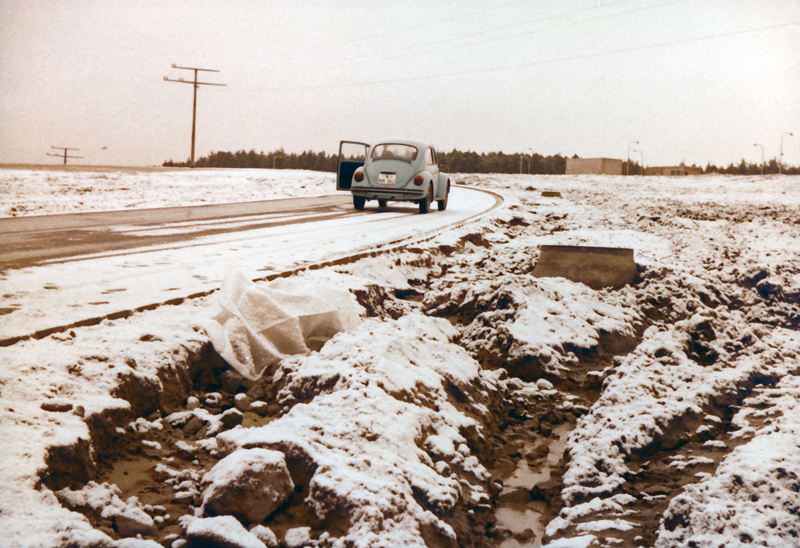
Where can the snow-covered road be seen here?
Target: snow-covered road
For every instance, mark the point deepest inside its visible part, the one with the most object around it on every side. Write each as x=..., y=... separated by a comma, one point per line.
x=62, y=292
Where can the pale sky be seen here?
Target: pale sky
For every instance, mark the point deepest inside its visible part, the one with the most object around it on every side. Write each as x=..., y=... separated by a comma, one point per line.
x=691, y=80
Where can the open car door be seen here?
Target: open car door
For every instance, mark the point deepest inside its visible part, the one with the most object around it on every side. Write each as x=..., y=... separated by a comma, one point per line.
x=352, y=156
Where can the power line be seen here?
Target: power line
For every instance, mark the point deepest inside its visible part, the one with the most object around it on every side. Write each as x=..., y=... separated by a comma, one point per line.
x=195, y=83
x=65, y=155
x=408, y=51
x=424, y=25
x=535, y=63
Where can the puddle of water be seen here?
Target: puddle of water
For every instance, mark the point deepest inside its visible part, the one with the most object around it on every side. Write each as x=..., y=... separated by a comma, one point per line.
x=517, y=517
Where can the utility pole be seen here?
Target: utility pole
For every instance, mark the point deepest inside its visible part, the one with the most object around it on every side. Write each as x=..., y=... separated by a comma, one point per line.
x=780, y=164
x=628, y=165
x=762, y=157
x=65, y=156
x=195, y=83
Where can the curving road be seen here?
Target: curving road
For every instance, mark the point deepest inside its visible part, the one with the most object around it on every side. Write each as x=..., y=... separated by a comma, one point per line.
x=64, y=270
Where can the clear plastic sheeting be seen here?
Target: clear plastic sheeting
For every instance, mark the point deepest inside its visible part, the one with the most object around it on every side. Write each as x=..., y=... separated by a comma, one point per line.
x=255, y=326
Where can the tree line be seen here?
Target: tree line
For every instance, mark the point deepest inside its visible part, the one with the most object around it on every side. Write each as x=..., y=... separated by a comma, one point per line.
x=315, y=161
x=744, y=168
x=453, y=162
x=450, y=162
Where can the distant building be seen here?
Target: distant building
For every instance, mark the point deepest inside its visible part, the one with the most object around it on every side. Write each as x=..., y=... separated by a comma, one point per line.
x=593, y=166
x=680, y=170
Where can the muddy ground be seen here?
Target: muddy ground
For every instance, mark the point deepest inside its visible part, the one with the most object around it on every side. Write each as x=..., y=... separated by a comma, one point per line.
x=482, y=284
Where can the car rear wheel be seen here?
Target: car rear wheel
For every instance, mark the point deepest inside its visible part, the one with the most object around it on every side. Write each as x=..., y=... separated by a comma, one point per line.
x=443, y=203
x=425, y=203
x=358, y=202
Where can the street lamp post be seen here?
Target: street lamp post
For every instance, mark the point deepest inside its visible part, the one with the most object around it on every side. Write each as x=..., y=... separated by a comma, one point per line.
x=628, y=165
x=642, y=153
x=762, y=157
x=780, y=164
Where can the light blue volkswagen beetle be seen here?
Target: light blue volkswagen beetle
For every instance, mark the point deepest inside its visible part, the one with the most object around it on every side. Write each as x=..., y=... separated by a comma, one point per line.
x=403, y=170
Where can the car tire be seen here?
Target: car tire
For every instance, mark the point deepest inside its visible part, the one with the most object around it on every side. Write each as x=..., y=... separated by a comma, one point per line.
x=443, y=203
x=358, y=202
x=425, y=203
x=381, y=203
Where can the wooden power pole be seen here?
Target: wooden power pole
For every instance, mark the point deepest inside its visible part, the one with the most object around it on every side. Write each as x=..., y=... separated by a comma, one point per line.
x=65, y=156
x=195, y=83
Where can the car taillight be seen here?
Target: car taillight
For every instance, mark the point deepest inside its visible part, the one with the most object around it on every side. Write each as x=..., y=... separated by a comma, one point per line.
x=418, y=180
x=359, y=176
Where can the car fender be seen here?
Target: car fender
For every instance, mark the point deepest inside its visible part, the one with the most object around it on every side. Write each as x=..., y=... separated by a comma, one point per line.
x=427, y=179
x=359, y=170
x=442, y=188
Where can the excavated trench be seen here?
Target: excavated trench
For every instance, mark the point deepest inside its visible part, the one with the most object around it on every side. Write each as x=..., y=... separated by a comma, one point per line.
x=155, y=451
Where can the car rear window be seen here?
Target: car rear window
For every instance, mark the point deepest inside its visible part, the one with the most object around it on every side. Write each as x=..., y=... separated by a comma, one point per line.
x=394, y=150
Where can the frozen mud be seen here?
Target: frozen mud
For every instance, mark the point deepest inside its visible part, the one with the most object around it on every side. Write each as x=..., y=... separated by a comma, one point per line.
x=472, y=405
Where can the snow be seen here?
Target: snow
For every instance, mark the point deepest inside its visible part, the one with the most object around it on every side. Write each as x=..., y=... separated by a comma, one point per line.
x=373, y=412
x=59, y=190
x=224, y=530
x=764, y=470
x=58, y=293
x=364, y=401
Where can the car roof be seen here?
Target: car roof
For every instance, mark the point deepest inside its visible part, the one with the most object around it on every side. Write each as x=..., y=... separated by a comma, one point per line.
x=422, y=145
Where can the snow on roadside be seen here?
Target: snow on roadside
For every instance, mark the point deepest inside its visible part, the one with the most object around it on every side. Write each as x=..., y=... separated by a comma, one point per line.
x=56, y=190
x=373, y=413
x=753, y=496
x=60, y=390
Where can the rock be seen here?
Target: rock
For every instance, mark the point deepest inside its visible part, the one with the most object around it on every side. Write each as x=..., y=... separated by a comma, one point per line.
x=658, y=490
x=526, y=536
x=56, y=407
x=260, y=408
x=184, y=451
x=230, y=381
x=504, y=466
x=231, y=418
x=273, y=409
x=544, y=384
x=297, y=537
x=249, y=484
x=213, y=399
x=151, y=448
x=220, y=532
x=495, y=487
x=531, y=424
x=242, y=402
x=510, y=449
x=546, y=490
x=193, y=426
x=256, y=391
x=521, y=495
x=260, y=387
x=133, y=521
x=265, y=535
x=552, y=417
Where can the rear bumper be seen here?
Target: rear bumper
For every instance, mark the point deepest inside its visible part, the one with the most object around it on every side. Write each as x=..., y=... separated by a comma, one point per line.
x=387, y=193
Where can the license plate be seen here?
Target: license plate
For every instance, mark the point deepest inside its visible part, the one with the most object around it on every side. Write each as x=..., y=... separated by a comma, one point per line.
x=387, y=178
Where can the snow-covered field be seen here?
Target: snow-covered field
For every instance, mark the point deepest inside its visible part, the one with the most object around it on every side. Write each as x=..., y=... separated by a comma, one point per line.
x=49, y=190
x=467, y=403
